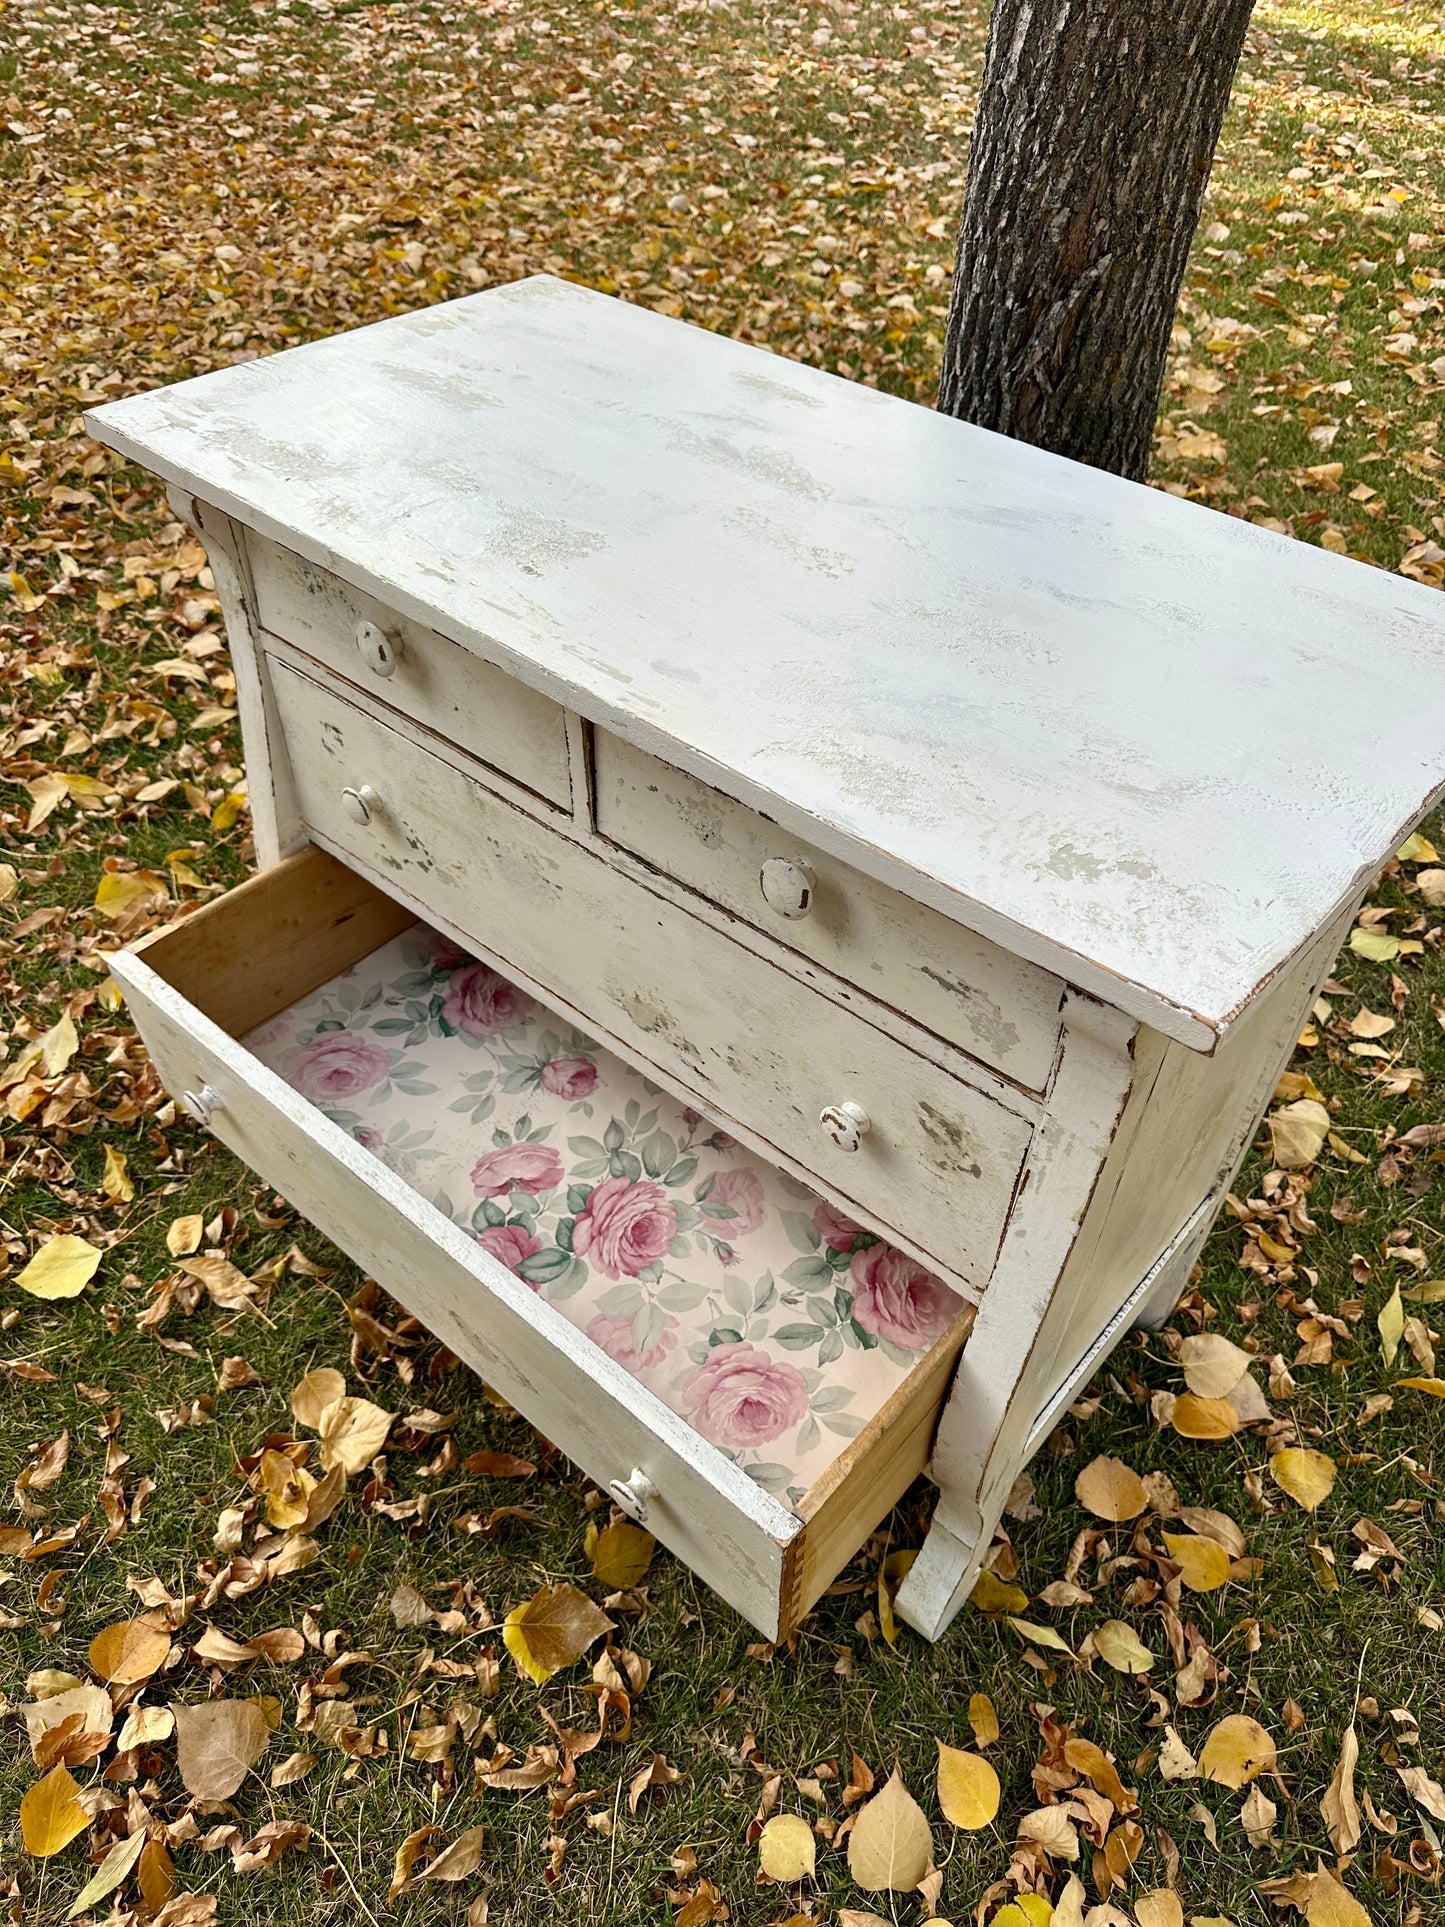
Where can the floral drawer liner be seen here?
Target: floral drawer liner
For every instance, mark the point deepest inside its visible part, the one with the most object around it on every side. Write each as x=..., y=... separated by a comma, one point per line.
x=769, y=1321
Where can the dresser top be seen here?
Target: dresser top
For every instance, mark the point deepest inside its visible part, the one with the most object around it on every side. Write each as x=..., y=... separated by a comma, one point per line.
x=1146, y=745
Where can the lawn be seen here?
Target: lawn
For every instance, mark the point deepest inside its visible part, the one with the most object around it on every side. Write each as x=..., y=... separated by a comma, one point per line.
x=184, y=185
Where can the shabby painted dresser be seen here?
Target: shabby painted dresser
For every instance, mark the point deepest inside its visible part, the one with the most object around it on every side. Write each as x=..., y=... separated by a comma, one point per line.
x=779, y=912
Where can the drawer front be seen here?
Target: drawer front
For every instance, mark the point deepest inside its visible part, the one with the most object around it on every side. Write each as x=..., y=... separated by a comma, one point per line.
x=935, y=1169
x=705, y=1508
x=437, y=683
x=989, y=1003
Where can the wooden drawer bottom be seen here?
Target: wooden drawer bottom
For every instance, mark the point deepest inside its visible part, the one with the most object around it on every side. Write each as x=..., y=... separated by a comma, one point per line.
x=651, y=1295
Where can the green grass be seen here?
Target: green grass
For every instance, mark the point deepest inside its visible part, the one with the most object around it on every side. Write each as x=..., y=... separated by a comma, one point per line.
x=463, y=146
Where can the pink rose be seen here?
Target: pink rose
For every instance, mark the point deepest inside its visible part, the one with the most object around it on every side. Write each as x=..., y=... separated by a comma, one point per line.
x=510, y=1243
x=896, y=1299
x=570, y=1077
x=836, y=1231
x=742, y=1189
x=334, y=1065
x=516, y=1167
x=614, y=1335
x=369, y=1139
x=742, y=1397
x=480, y=1002
x=443, y=954
x=624, y=1226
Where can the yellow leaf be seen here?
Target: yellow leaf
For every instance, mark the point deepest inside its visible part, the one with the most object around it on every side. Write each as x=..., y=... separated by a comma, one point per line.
x=1338, y=1808
x=620, y=1555
x=406, y=1857
x=891, y=1572
x=1159, y=1909
x=130, y=1651
x=787, y=1850
x=1204, y=1418
x=51, y=1814
x=9, y=881
x=47, y=793
x=155, y=1875
x=1307, y=1476
x=553, y=1628
x=1029, y=1910
x=458, y=1860
x=119, y=891
x=1110, y=1490
x=183, y=1236
x=1119, y=1646
x=1203, y=1564
x=60, y=1269
x=110, y=1873
x=1212, y=1365
x=968, y=1788
x=1040, y=1635
x=1417, y=849
x=890, y=1848
x=1434, y=1386
x=1376, y=946
x=353, y=1431
x=1096, y=1766
x=1391, y=1327
x=318, y=1390
x=983, y=1719
x=228, y=809
x=1330, y=1905
x=287, y=1486
x=994, y=1595
x=115, y=1180
x=1297, y=1132
x=59, y=1045
x=1236, y=1751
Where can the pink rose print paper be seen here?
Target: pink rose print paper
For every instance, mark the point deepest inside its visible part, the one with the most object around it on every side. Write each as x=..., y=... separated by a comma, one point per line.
x=766, y=1318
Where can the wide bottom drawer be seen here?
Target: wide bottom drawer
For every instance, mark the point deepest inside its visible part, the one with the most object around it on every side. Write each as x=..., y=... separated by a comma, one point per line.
x=615, y=1268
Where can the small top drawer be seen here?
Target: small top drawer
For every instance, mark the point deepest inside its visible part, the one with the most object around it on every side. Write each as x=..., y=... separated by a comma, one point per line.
x=985, y=1000
x=436, y=682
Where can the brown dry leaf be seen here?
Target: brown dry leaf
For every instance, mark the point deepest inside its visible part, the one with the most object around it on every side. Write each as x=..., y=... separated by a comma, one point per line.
x=1159, y=1909
x=498, y=1465
x=293, y=1768
x=130, y=1651
x=1212, y=1365
x=1332, y=1905
x=1424, y=1791
x=409, y=1607
x=353, y=1431
x=317, y=1391
x=61, y=1268
x=655, y=1775
x=620, y=1555
x=51, y=1814
x=1096, y=1766
x=553, y=1628
x=1119, y=1646
x=890, y=1848
x=1305, y=1475
x=183, y=1235
x=787, y=1849
x=217, y=1744
x=91, y=1704
x=983, y=1719
x=1257, y=1817
x=968, y=1788
x=227, y=1287
x=1052, y=1829
x=1297, y=1134
x=1111, y=1490
x=457, y=1861
x=1204, y=1418
x=406, y=1857
x=1341, y=1814
x=1236, y=1751
x=1203, y=1564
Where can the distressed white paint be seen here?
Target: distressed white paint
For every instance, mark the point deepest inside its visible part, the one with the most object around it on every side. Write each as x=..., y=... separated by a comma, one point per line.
x=1146, y=745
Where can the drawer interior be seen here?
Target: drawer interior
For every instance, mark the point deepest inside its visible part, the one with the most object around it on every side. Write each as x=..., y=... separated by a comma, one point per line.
x=796, y=1345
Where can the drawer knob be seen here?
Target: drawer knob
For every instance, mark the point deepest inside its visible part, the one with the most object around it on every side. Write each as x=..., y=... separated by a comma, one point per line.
x=632, y=1494
x=846, y=1124
x=202, y=1104
x=379, y=651
x=787, y=887
x=360, y=804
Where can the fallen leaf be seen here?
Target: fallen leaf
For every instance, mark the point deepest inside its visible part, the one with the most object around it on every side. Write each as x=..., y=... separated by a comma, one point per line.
x=406, y=1857
x=409, y=1607
x=145, y=1726
x=1236, y=1751
x=115, y=1181
x=217, y=1744
x=787, y=1850
x=109, y=1874
x=983, y=1719
x=62, y=1268
x=1176, y=1762
x=1204, y=1418
x=91, y=1703
x=1053, y=1830
x=317, y=1391
x=156, y=1878
x=51, y=1814
x=1305, y=1475
x=1434, y=1386
x=1159, y=1909
x=353, y=1431
x=1118, y=1646
x=130, y=1651
x=993, y=1595
x=553, y=1628
x=1111, y=1490
x=293, y=1768
x=1424, y=1791
x=1297, y=1132
x=458, y=1860
x=968, y=1788
x=183, y=1236
x=620, y=1555
x=1203, y=1564
x=890, y=1848
x=1331, y=1905
x=656, y=1774
x=1096, y=1766
x=1341, y=1814
x=1257, y=1817
x=1041, y=1635
x=1212, y=1365
x=1391, y=1326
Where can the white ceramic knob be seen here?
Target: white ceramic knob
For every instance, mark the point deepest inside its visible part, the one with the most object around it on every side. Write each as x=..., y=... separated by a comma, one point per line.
x=202, y=1104
x=787, y=887
x=846, y=1124
x=379, y=651
x=632, y=1494
x=360, y=804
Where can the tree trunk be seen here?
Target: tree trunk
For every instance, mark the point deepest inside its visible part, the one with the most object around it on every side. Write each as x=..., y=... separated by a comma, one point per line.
x=1096, y=127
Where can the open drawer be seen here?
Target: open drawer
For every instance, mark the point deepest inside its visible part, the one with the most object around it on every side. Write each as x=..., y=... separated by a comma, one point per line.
x=705, y=1337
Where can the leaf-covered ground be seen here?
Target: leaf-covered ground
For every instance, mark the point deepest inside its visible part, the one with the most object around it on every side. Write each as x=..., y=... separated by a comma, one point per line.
x=183, y=185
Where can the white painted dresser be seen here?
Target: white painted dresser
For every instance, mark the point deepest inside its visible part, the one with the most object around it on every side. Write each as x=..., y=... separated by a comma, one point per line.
x=963, y=831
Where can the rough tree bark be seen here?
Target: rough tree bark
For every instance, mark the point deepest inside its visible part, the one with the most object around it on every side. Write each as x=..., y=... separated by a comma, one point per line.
x=1096, y=126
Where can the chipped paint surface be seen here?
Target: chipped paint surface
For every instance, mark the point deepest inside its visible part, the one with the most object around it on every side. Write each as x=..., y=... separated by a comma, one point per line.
x=1141, y=743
